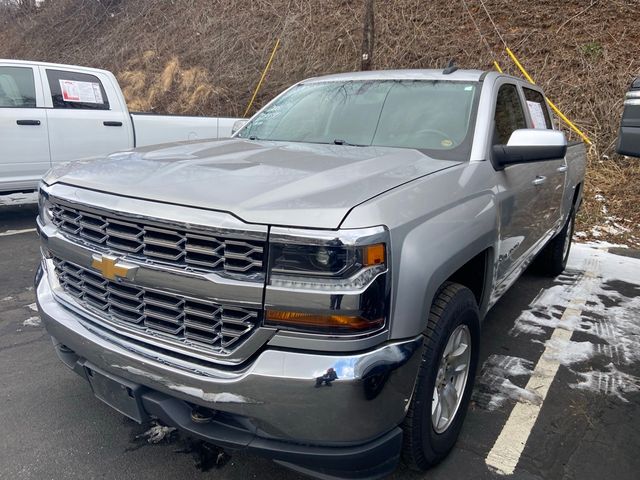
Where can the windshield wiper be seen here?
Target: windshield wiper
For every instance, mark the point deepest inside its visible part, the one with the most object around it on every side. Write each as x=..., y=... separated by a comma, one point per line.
x=339, y=141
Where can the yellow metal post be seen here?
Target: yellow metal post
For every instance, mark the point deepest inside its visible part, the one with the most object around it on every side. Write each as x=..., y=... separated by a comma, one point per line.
x=264, y=74
x=551, y=104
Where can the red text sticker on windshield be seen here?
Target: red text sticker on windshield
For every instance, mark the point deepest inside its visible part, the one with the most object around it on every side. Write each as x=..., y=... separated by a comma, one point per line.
x=70, y=91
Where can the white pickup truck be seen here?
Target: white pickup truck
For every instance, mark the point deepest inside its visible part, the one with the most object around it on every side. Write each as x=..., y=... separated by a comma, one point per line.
x=51, y=113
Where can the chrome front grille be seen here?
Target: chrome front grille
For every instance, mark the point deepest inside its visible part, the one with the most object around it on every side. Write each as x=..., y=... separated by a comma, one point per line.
x=160, y=244
x=219, y=328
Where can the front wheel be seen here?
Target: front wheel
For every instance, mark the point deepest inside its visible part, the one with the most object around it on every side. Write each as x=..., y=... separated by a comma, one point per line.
x=445, y=379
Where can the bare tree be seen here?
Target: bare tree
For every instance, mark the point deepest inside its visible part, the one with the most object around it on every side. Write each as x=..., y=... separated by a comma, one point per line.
x=368, y=36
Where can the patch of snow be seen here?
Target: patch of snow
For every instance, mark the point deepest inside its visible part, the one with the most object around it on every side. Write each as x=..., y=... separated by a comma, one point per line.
x=157, y=433
x=492, y=392
x=6, y=299
x=602, y=245
x=580, y=234
x=9, y=233
x=609, y=315
x=19, y=198
x=610, y=382
x=611, y=266
x=493, y=387
x=613, y=229
x=567, y=352
x=33, y=306
x=32, y=322
x=614, y=325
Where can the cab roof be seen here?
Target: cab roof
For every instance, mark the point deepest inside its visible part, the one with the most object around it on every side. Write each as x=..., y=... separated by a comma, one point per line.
x=460, y=75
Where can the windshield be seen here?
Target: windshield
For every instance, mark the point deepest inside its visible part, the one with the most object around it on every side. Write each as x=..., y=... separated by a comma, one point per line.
x=427, y=115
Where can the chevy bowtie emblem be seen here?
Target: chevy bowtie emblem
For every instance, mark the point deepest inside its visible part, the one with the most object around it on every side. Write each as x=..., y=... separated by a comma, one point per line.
x=112, y=268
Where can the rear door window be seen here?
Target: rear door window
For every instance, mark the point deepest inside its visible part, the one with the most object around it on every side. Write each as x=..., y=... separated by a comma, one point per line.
x=17, y=87
x=76, y=90
x=538, y=111
x=509, y=115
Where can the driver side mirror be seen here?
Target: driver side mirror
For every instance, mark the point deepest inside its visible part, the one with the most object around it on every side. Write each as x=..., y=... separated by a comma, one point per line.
x=237, y=125
x=530, y=145
x=629, y=135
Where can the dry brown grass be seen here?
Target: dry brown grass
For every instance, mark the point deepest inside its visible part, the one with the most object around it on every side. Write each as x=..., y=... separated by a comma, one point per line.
x=149, y=86
x=204, y=57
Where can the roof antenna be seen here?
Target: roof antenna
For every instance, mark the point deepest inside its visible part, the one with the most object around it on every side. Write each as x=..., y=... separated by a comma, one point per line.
x=450, y=68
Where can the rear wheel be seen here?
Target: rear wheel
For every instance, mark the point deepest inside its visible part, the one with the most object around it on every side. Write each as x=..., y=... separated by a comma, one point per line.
x=553, y=259
x=445, y=379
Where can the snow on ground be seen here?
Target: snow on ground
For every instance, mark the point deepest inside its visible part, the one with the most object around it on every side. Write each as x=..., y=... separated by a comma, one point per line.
x=606, y=330
x=611, y=381
x=19, y=198
x=157, y=433
x=32, y=322
x=493, y=387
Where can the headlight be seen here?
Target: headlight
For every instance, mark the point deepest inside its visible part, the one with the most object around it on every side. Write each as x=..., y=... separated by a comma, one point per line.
x=44, y=207
x=328, y=281
x=324, y=261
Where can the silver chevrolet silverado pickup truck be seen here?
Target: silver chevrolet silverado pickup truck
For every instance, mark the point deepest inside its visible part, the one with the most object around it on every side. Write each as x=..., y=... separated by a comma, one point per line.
x=312, y=289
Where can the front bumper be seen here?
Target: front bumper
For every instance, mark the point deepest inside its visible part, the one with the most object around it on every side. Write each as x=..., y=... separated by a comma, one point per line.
x=279, y=401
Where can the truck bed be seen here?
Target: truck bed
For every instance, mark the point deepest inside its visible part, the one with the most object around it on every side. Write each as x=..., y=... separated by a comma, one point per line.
x=152, y=129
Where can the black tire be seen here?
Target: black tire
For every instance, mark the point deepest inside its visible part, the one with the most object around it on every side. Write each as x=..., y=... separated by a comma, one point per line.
x=552, y=260
x=423, y=447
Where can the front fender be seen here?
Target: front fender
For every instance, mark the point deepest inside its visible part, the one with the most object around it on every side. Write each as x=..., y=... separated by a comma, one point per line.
x=432, y=252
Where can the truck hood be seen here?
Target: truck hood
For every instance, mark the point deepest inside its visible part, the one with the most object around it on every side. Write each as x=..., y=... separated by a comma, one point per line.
x=276, y=183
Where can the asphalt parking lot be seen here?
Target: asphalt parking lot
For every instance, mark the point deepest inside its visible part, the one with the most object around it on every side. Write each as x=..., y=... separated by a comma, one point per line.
x=558, y=395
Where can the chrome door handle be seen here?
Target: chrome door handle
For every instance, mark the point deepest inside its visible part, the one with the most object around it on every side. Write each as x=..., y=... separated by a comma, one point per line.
x=563, y=168
x=539, y=180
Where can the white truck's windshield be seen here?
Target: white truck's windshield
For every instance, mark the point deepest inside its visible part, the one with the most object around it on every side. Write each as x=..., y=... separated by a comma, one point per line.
x=420, y=114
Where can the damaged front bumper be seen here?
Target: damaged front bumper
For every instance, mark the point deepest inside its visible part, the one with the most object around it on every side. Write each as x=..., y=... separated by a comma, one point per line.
x=327, y=415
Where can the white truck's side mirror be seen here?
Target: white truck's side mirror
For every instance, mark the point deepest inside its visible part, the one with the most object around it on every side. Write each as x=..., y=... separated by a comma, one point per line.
x=629, y=135
x=237, y=125
x=530, y=145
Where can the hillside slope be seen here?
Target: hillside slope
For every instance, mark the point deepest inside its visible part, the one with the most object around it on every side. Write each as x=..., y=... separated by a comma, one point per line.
x=205, y=57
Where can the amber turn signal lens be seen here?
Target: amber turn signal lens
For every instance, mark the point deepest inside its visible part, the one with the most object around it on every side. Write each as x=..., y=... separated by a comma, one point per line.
x=374, y=255
x=321, y=321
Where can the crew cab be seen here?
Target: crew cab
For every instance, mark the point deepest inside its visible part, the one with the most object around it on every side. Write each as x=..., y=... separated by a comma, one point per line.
x=629, y=135
x=52, y=113
x=313, y=288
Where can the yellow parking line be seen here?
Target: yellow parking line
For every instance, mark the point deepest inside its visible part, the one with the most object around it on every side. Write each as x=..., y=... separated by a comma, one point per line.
x=508, y=448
